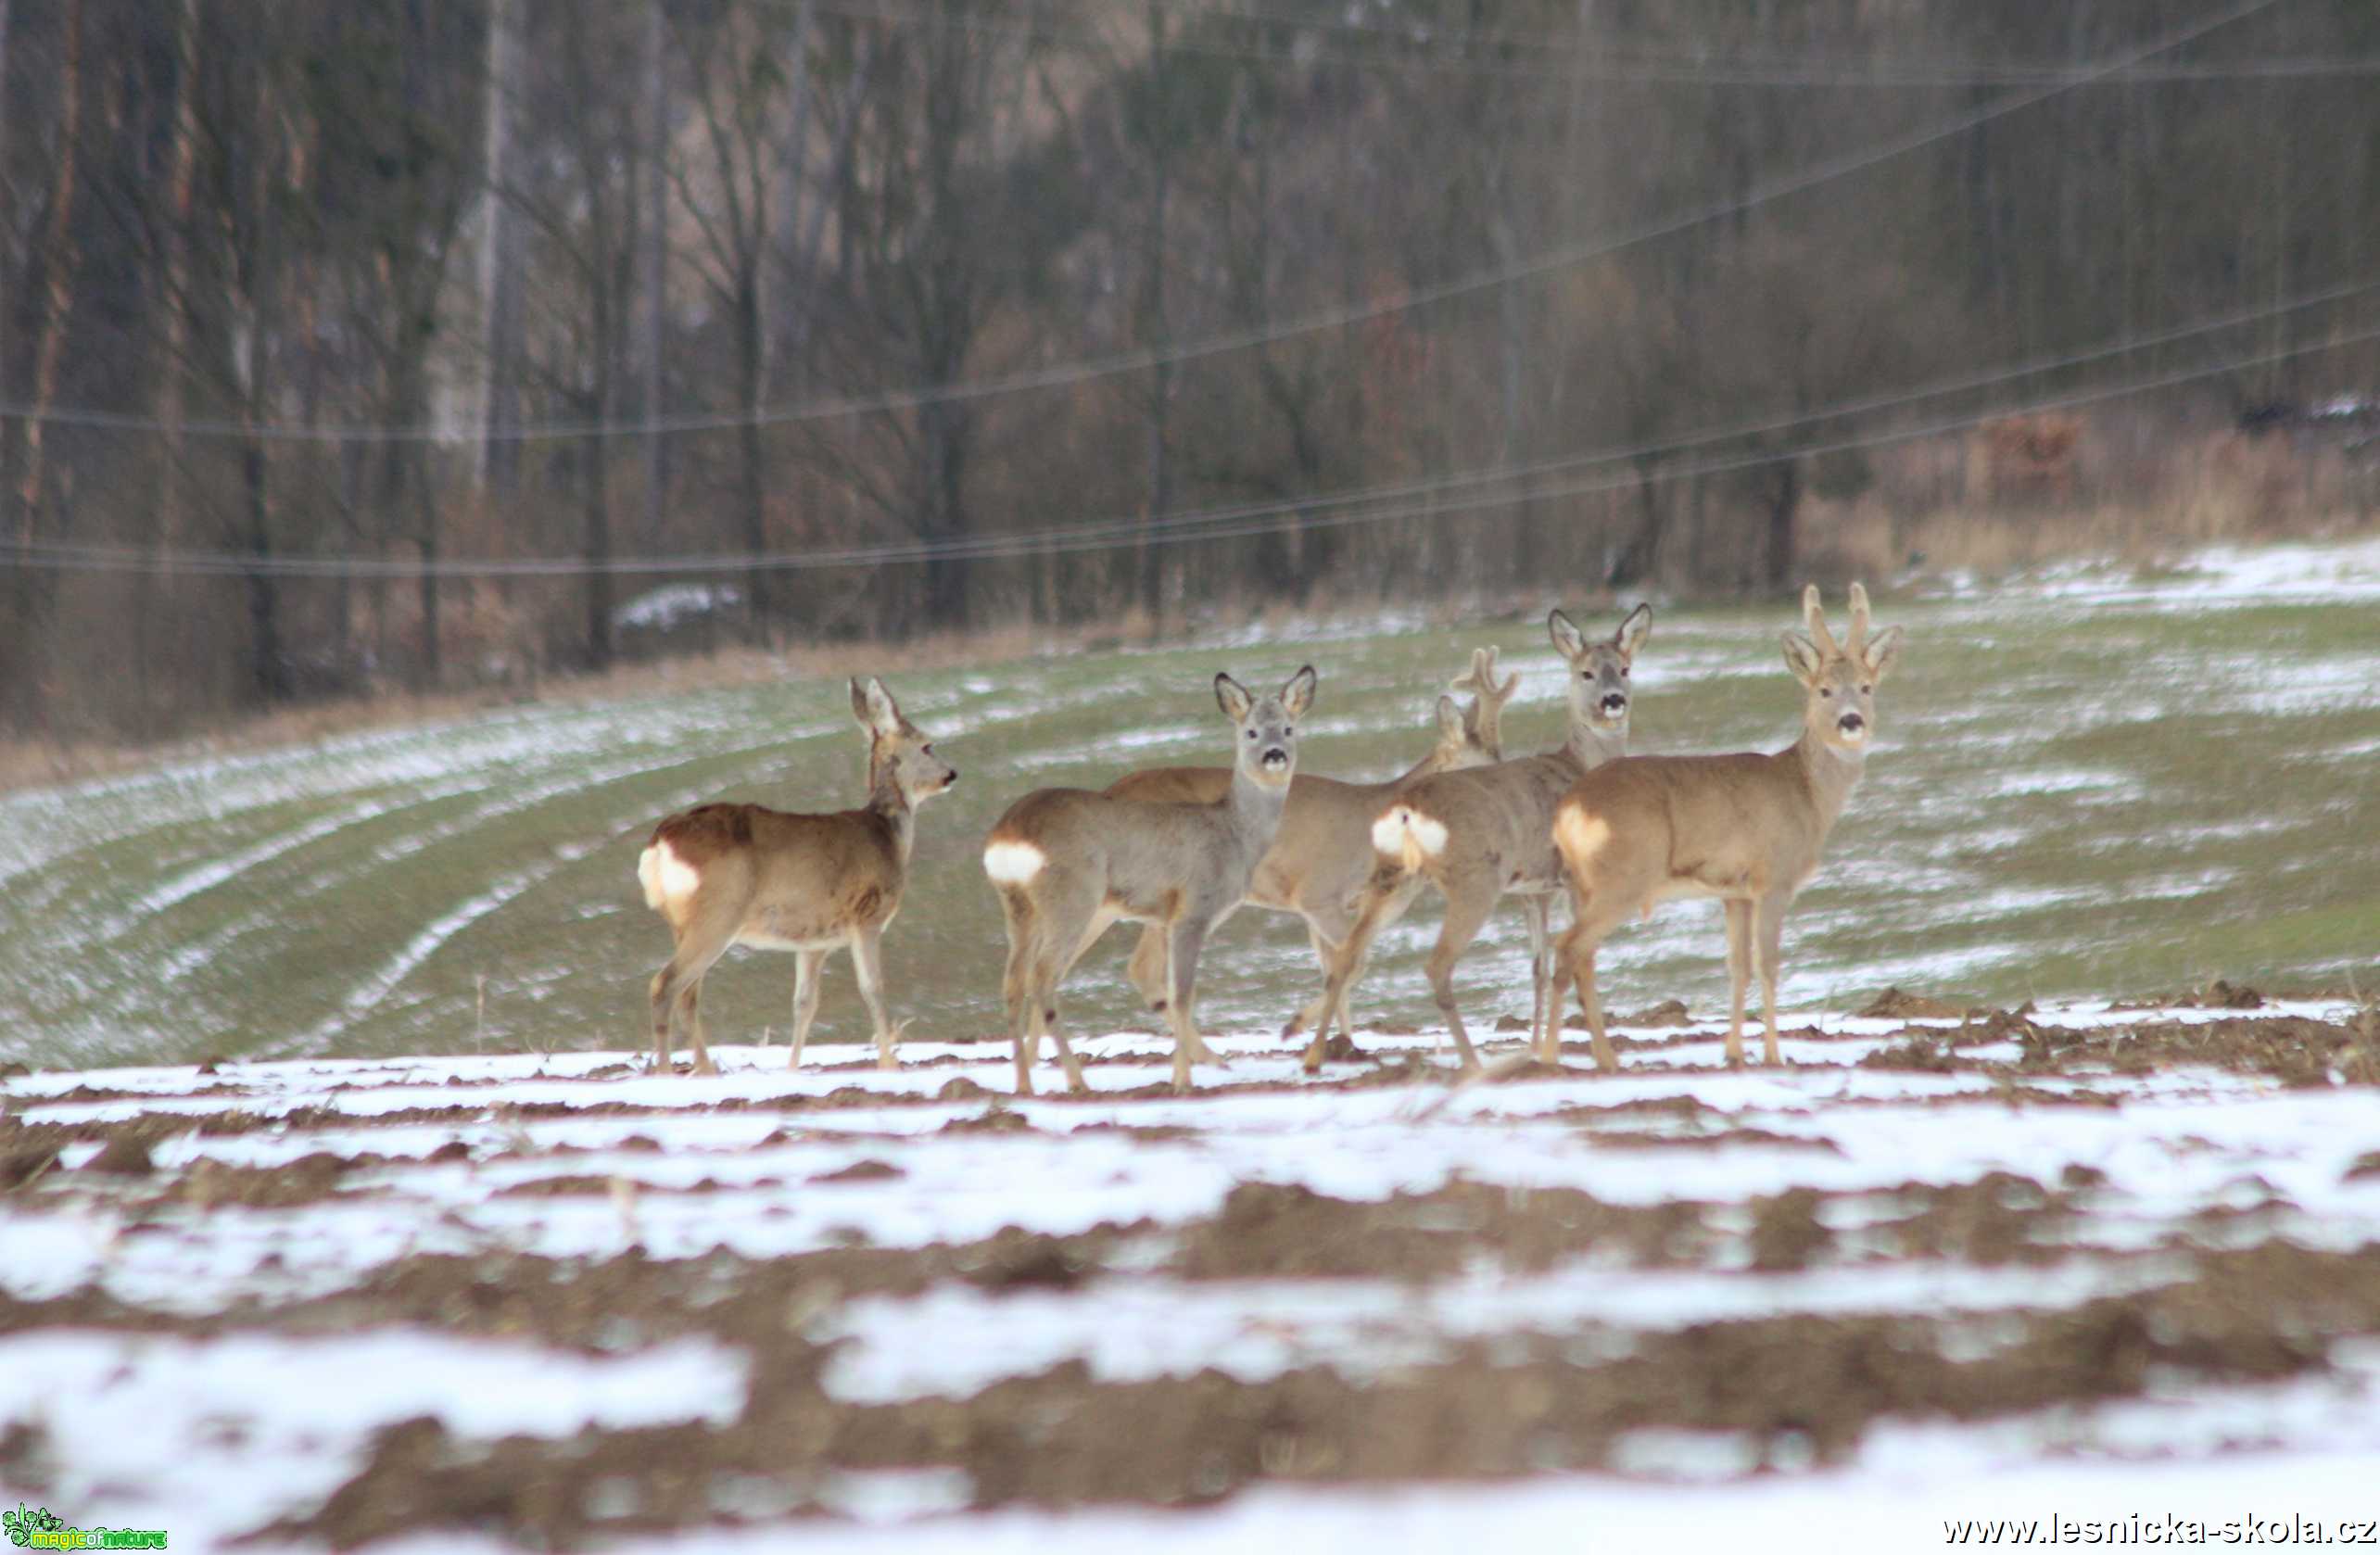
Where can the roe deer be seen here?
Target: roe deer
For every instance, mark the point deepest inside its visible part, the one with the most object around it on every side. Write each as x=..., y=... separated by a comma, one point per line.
x=1481, y=833
x=1067, y=862
x=1746, y=828
x=740, y=874
x=1323, y=853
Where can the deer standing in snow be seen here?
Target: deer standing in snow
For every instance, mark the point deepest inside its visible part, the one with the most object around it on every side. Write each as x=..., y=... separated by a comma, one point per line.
x=1067, y=862
x=1323, y=853
x=1746, y=828
x=724, y=874
x=1480, y=833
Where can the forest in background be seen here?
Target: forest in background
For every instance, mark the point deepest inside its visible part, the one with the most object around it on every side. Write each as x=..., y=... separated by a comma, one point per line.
x=409, y=344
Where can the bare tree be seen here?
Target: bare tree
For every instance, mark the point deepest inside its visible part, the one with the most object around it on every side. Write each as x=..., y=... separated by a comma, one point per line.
x=501, y=252
x=57, y=271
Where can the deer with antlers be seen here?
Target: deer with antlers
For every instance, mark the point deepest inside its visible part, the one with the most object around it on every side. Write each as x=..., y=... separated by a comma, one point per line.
x=1323, y=850
x=1067, y=862
x=1746, y=828
x=724, y=874
x=1479, y=834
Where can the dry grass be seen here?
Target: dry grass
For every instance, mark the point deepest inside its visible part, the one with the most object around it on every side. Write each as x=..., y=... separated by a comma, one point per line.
x=1863, y=540
x=37, y=762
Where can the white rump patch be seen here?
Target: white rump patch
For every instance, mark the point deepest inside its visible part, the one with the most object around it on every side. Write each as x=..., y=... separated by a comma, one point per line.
x=1011, y=863
x=666, y=877
x=1581, y=836
x=1405, y=829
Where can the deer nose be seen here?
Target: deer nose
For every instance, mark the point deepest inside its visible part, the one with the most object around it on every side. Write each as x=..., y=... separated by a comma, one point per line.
x=1615, y=703
x=1276, y=756
x=1851, y=723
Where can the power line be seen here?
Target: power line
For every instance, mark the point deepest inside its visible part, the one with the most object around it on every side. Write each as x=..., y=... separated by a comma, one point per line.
x=1556, y=58
x=1762, y=193
x=1359, y=506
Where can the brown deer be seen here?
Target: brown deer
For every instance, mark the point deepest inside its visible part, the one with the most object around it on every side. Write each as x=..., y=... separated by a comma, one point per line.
x=1478, y=834
x=1323, y=853
x=739, y=874
x=1066, y=862
x=1746, y=828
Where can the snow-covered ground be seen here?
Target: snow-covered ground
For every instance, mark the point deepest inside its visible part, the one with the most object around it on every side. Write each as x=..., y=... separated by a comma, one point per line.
x=214, y=1433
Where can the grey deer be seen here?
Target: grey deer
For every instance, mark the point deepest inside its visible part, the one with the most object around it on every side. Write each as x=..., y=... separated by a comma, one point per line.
x=1067, y=862
x=1479, y=834
x=723, y=875
x=1323, y=853
x=1747, y=828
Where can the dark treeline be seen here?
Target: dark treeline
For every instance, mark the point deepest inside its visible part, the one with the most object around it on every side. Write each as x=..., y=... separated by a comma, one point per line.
x=601, y=263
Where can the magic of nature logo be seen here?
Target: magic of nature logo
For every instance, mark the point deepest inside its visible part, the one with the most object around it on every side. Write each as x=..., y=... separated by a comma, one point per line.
x=43, y=1529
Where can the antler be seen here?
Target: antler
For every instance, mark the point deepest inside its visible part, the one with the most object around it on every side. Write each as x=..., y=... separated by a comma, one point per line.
x=1813, y=619
x=1480, y=678
x=1858, y=642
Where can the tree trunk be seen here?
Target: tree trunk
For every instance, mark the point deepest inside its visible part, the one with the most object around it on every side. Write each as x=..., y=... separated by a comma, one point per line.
x=351, y=483
x=499, y=259
x=1784, y=517
x=946, y=576
x=656, y=268
x=268, y=664
x=596, y=550
x=751, y=455
x=34, y=600
x=1635, y=563
x=148, y=628
x=1158, y=128
x=425, y=517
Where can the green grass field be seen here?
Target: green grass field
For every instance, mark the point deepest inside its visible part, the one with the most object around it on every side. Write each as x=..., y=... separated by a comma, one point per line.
x=2081, y=787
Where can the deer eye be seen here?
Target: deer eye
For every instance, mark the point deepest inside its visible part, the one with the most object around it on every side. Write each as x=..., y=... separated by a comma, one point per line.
x=1825, y=691
x=1867, y=690
x=1251, y=734
x=1289, y=733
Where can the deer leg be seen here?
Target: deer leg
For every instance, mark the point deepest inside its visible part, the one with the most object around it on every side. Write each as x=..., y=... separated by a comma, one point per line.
x=809, y=968
x=1739, y=961
x=1017, y=982
x=673, y=987
x=1533, y=910
x=1147, y=969
x=1576, y=952
x=1466, y=911
x=1769, y=935
x=692, y=1001
x=1311, y=1013
x=1066, y=901
x=1066, y=1060
x=1189, y=937
x=1382, y=905
x=1024, y=1029
x=867, y=962
x=664, y=999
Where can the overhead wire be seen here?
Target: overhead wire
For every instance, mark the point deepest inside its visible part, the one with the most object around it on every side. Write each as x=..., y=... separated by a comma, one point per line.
x=1325, y=509
x=1761, y=193
x=1555, y=59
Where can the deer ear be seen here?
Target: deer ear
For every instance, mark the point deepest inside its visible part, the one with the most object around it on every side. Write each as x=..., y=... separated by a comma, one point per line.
x=1631, y=637
x=874, y=707
x=1568, y=640
x=1298, y=695
x=1882, y=651
x=1232, y=698
x=1450, y=727
x=1802, y=658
